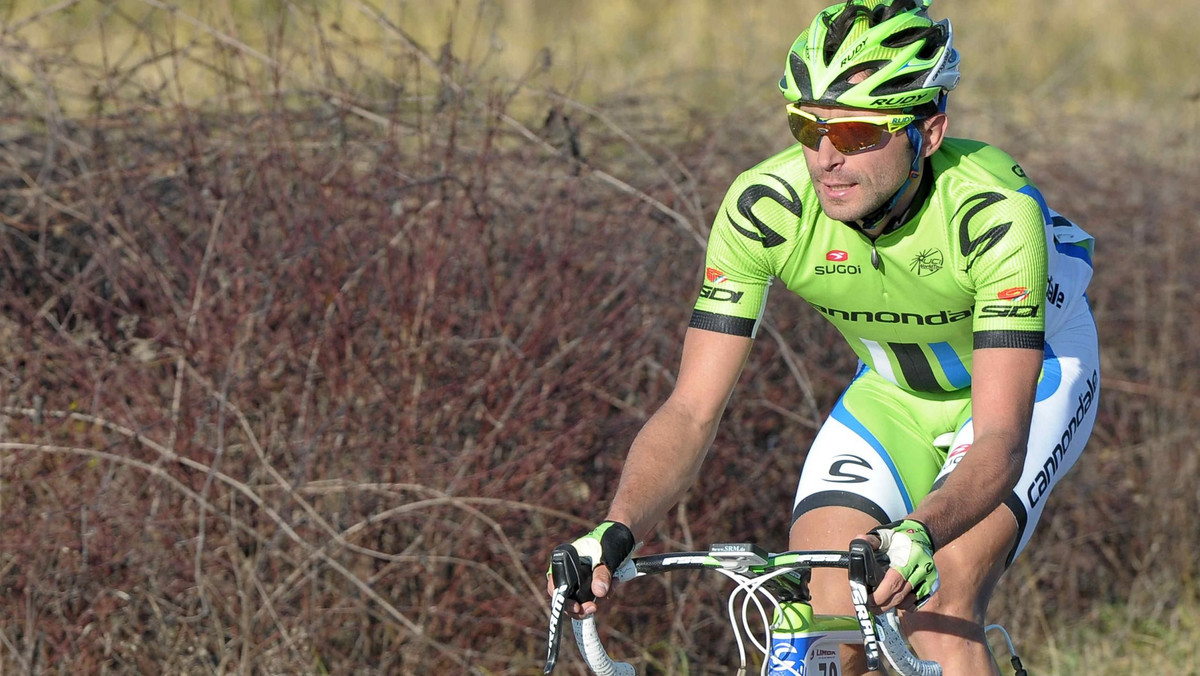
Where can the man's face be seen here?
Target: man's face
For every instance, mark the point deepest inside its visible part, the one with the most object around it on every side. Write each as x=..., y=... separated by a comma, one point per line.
x=851, y=186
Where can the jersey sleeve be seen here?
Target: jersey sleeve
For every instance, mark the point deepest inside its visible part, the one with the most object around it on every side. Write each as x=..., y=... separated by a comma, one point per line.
x=737, y=269
x=1002, y=236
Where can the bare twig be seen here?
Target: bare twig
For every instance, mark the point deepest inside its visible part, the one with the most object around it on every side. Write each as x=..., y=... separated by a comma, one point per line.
x=416, y=630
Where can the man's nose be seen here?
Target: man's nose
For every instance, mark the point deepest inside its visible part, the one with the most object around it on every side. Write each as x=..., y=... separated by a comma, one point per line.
x=828, y=156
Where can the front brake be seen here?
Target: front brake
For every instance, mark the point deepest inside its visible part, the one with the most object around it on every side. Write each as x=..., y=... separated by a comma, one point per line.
x=572, y=578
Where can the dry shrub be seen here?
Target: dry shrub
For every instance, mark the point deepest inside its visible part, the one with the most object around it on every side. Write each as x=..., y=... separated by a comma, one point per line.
x=317, y=386
x=305, y=389
x=1113, y=533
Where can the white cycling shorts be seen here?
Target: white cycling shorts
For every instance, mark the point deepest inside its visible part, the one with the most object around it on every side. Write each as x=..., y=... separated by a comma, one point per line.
x=882, y=449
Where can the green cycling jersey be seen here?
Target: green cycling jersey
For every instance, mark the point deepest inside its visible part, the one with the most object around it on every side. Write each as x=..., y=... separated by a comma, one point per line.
x=967, y=268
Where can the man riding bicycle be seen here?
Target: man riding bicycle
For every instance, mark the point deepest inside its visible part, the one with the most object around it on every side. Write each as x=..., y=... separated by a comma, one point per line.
x=961, y=292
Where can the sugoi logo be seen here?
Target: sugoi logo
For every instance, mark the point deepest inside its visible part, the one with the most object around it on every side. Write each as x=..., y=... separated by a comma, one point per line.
x=837, y=256
x=955, y=456
x=714, y=275
x=1014, y=294
x=838, y=269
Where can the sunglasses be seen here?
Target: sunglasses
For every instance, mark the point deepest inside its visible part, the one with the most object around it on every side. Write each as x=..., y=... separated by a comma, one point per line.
x=849, y=135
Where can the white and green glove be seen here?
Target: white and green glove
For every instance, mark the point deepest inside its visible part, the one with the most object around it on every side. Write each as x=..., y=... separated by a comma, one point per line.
x=609, y=544
x=910, y=551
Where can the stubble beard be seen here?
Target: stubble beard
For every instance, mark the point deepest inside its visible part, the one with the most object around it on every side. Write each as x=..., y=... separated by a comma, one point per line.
x=863, y=198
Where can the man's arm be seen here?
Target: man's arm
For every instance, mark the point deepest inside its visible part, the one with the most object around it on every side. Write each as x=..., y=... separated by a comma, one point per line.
x=1003, y=385
x=666, y=455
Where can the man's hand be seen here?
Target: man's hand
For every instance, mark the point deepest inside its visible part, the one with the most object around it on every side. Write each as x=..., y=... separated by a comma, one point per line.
x=602, y=551
x=912, y=571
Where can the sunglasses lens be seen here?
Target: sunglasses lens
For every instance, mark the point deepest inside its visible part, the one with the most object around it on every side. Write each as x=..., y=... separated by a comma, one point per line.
x=807, y=131
x=855, y=137
x=847, y=137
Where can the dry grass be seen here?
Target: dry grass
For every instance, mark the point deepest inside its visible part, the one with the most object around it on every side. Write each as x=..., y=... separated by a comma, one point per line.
x=308, y=376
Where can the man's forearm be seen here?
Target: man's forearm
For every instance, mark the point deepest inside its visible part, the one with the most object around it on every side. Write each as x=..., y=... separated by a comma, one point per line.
x=973, y=490
x=662, y=465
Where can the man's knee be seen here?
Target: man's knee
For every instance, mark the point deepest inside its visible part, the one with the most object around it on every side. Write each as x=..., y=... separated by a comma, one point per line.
x=829, y=528
x=949, y=627
x=952, y=608
x=972, y=565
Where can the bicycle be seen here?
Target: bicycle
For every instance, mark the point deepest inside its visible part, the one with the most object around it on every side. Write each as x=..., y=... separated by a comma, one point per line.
x=797, y=641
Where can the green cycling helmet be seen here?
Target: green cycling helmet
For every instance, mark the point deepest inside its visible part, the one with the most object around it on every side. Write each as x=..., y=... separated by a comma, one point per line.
x=909, y=57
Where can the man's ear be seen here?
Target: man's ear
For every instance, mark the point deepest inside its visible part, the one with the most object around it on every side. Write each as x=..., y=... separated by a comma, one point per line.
x=933, y=128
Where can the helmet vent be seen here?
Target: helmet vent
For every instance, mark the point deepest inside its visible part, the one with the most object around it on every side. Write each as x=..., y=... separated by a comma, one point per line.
x=843, y=82
x=902, y=83
x=800, y=76
x=884, y=12
x=840, y=27
x=934, y=37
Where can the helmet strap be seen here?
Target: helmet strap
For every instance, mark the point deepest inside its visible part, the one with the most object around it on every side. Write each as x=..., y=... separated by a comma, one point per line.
x=917, y=141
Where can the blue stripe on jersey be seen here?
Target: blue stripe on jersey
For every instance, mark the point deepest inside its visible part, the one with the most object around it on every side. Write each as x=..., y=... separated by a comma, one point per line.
x=1074, y=250
x=1051, y=375
x=843, y=415
x=1037, y=197
x=952, y=366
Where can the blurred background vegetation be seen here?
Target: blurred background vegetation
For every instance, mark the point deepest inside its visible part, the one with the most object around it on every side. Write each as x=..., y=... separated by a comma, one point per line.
x=323, y=321
x=1022, y=56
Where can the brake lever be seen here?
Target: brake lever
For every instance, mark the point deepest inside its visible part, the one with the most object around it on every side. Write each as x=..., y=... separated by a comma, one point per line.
x=866, y=571
x=572, y=580
x=554, y=637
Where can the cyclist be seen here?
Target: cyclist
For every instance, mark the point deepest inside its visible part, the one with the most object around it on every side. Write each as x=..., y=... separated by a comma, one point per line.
x=960, y=291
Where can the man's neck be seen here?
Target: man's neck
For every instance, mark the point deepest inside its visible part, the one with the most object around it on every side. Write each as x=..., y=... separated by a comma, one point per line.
x=898, y=210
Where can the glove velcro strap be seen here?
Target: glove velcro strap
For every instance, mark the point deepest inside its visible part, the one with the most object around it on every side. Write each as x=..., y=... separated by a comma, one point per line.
x=910, y=551
x=933, y=547
x=609, y=544
x=616, y=543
